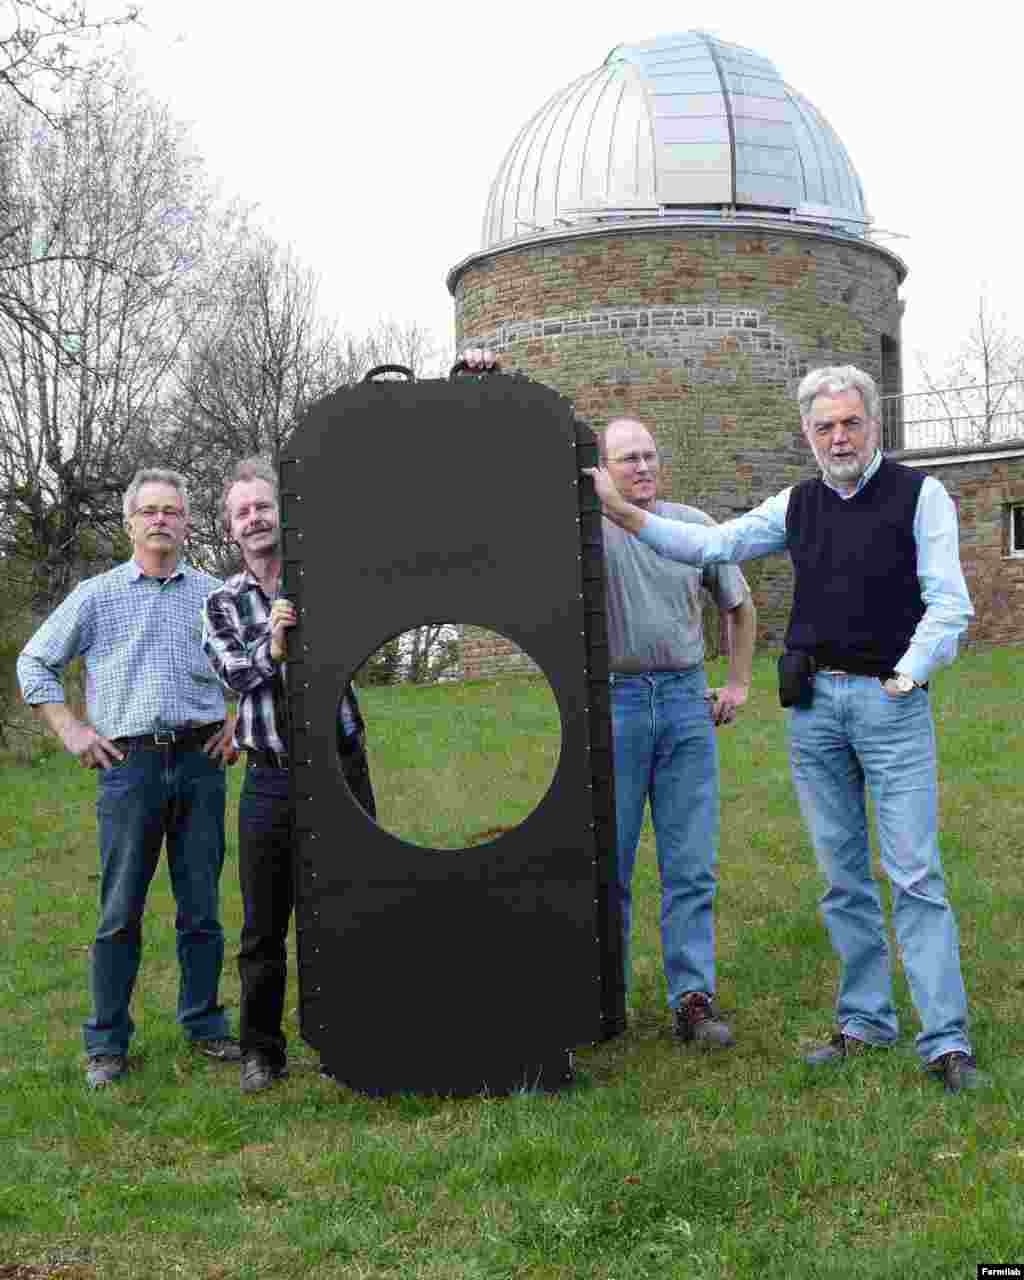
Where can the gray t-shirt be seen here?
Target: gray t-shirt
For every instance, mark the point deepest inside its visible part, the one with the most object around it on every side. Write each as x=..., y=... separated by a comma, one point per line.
x=654, y=604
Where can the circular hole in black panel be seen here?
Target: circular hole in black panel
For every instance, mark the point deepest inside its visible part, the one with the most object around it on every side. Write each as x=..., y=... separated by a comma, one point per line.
x=463, y=735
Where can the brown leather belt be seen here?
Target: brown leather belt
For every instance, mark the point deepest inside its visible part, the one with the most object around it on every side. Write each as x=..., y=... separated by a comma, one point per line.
x=838, y=671
x=188, y=738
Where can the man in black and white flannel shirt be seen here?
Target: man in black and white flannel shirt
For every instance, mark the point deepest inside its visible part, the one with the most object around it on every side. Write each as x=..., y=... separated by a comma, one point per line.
x=245, y=638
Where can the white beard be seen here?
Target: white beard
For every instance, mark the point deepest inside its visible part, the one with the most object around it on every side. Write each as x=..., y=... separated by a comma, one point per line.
x=848, y=469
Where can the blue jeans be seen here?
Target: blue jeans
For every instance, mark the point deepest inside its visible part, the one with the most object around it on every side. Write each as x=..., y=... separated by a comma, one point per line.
x=854, y=738
x=153, y=794
x=665, y=750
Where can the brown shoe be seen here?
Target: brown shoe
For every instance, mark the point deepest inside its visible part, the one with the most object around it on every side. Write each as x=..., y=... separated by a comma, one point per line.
x=958, y=1071
x=696, y=1023
x=838, y=1049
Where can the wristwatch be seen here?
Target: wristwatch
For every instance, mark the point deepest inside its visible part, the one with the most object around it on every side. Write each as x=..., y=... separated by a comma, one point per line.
x=903, y=682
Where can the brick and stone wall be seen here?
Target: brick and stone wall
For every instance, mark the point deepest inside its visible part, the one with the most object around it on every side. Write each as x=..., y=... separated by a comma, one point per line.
x=985, y=483
x=486, y=654
x=704, y=335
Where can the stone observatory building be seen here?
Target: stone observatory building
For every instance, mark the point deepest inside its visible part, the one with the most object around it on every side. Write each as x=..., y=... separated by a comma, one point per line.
x=679, y=236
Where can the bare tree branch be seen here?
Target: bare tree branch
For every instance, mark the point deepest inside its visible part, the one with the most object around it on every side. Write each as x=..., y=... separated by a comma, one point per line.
x=260, y=357
x=47, y=47
x=111, y=231
x=977, y=397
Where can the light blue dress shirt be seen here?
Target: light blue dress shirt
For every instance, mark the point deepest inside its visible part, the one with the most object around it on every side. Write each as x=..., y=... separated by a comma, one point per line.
x=762, y=531
x=142, y=643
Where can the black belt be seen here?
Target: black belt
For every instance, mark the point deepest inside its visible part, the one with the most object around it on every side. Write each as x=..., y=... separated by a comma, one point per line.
x=188, y=738
x=258, y=759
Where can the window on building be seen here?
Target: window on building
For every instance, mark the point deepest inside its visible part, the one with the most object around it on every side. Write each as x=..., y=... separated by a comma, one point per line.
x=1016, y=547
x=893, y=436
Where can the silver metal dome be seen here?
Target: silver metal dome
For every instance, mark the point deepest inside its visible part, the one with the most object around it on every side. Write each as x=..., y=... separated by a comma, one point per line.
x=679, y=127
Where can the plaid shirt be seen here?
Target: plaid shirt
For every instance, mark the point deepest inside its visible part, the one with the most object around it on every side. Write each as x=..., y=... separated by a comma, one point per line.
x=141, y=640
x=236, y=638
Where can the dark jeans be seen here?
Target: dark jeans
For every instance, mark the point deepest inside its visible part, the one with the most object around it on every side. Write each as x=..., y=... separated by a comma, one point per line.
x=267, y=877
x=149, y=796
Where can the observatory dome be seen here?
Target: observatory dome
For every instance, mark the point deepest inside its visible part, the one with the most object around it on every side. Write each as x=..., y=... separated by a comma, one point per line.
x=679, y=128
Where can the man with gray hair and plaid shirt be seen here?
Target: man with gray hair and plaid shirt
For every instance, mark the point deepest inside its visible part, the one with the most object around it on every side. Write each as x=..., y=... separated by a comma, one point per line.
x=156, y=735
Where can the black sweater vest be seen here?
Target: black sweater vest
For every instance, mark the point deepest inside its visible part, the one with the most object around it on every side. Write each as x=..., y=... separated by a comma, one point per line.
x=856, y=599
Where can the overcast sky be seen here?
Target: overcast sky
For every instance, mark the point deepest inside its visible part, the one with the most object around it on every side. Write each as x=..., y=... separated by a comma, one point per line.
x=369, y=135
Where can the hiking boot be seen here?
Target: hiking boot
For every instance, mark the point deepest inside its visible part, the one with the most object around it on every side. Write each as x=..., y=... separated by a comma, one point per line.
x=259, y=1073
x=838, y=1049
x=104, y=1069
x=696, y=1022
x=220, y=1048
x=958, y=1071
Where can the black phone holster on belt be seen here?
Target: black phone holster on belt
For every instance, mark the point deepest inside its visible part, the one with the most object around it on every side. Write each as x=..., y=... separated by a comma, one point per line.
x=796, y=679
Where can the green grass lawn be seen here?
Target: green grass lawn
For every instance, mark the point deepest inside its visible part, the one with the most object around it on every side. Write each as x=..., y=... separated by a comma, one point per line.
x=448, y=761
x=662, y=1162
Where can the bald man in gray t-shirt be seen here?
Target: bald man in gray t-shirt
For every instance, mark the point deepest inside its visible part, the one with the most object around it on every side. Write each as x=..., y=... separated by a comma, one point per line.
x=663, y=725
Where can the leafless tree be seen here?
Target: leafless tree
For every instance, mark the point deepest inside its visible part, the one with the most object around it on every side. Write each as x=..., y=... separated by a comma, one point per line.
x=46, y=47
x=977, y=397
x=47, y=50
x=390, y=342
x=112, y=211
x=424, y=655
x=261, y=355
x=434, y=652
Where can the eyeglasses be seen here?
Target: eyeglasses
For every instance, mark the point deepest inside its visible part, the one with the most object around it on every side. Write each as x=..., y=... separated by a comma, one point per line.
x=634, y=460
x=151, y=513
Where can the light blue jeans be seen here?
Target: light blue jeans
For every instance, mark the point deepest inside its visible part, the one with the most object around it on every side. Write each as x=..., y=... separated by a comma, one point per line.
x=153, y=794
x=856, y=738
x=665, y=750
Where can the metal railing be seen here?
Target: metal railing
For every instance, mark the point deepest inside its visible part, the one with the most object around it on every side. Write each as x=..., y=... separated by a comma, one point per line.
x=954, y=417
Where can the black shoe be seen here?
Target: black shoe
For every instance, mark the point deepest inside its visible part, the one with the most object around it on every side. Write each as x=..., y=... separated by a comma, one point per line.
x=259, y=1073
x=958, y=1071
x=838, y=1049
x=695, y=1022
x=104, y=1069
x=220, y=1048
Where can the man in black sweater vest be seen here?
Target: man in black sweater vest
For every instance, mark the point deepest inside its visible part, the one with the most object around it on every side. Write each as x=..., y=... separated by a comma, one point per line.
x=879, y=603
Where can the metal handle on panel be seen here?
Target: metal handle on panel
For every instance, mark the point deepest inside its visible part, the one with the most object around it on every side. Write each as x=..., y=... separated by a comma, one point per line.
x=371, y=375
